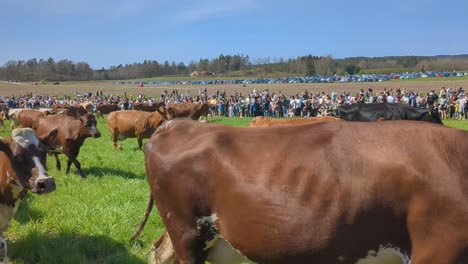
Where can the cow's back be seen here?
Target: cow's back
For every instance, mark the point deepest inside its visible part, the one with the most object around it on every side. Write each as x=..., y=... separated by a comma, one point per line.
x=261, y=121
x=29, y=118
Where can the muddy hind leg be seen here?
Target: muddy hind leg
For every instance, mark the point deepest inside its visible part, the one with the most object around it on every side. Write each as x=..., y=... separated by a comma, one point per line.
x=114, y=136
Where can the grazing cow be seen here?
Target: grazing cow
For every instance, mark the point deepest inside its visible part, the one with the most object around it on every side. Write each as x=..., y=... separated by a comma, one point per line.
x=387, y=111
x=133, y=123
x=190, y=110
x=147, y=107
x=22, y=169
x=347, y=188
x=30, y=117
x=72, y=133
x=261, y=121
x=71, y=110
x=104, y=109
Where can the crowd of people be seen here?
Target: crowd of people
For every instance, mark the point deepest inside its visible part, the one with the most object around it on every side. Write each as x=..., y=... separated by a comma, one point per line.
x=451, y=103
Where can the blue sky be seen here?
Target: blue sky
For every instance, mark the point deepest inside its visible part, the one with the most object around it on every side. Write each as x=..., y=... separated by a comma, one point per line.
x=111, y=32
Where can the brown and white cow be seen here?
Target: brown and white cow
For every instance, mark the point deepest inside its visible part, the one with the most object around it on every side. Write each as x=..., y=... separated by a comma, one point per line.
x=22, y=169
x=191, y=110
x=261, y=121
x=72, y=133
x=133, y=123
x=280, y=195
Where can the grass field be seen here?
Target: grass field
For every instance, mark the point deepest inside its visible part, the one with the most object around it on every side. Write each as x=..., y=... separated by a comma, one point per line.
x=107, y=87
x=91, y=220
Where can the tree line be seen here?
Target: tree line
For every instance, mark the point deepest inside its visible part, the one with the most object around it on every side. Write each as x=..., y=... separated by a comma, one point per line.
x=228, y=65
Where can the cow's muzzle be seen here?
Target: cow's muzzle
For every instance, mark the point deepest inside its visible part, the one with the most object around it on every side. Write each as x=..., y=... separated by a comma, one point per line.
x=44, y=185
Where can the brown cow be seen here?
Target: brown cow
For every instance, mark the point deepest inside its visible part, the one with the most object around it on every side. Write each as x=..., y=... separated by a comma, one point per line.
x=191, y=110
x=22, y=169
x=133, y=123
x=343, y=190
x=71, y=110
x=261, y=121
x=72, y=133
x=30, y=117
x=104, y=109
x=147, y=107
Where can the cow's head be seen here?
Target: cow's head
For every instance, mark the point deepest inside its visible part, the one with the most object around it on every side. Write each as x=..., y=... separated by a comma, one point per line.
x=25, y=154
x=90, y=123
x=432, y=116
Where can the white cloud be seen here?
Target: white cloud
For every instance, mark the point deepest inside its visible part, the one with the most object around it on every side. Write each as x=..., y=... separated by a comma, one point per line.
x=206, y=10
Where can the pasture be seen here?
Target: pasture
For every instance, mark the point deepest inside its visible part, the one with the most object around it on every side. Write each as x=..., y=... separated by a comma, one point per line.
x=107, y=87
x=91, y=220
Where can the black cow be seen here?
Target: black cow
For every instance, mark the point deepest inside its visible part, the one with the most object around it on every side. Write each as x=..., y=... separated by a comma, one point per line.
x=387, y=111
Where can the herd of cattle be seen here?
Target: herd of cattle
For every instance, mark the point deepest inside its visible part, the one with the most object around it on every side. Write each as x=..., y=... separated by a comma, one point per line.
x=307, y=190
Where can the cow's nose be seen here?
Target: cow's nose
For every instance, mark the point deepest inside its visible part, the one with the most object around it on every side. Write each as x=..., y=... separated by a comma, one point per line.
x=45, y=185
x=98, y=134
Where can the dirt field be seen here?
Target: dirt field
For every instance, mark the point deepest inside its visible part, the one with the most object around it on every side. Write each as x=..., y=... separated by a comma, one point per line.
x=9, y=89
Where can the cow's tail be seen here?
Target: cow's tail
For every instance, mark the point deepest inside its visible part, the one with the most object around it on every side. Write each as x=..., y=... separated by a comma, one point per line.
x=149, y=207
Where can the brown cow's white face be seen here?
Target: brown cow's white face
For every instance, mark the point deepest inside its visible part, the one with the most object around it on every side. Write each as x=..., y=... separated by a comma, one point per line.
x=27, y=159
x=90, y=123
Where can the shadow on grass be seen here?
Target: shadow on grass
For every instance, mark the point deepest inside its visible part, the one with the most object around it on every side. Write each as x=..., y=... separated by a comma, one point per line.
x=69, y=248
x=101, y=171
x=25, y=214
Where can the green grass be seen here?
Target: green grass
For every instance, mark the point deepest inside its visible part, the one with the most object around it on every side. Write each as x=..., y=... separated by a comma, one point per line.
x=91, y=220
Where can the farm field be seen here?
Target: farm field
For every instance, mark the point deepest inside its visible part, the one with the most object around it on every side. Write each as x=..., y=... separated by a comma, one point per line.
x=107, y=87
x=91, y=220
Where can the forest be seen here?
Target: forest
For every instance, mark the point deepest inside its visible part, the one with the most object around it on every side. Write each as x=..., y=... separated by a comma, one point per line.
x=239, y=65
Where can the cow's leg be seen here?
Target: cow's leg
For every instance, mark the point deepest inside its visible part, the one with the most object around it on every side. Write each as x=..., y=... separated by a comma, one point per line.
x=436, y=232
x=114, y=136
x=57, y=161
x=77, y=165
x=140, y=141
x=3, y=251
x=188, y=247
x=3, y=125
x=162, y=251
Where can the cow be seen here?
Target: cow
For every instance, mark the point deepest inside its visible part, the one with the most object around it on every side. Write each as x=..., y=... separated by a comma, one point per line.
x=72, y=133
x=104, y=109
x=30, y=117
x=13, y=116
x=86, y=105
x=133, y=123
x=22, y=169
x=191, y=110
x=71, y=110
x=386, y=111
x=345, y=189
x=148, y=107
x=261, y=121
